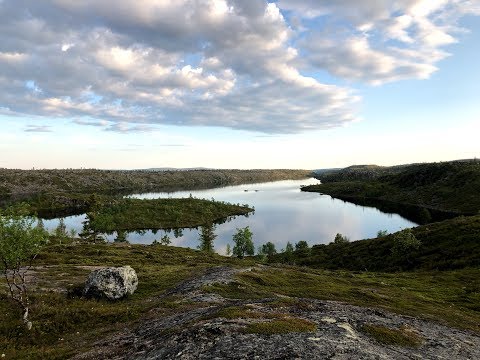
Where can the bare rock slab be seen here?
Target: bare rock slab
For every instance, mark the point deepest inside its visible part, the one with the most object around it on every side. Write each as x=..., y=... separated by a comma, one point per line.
x=112, y=283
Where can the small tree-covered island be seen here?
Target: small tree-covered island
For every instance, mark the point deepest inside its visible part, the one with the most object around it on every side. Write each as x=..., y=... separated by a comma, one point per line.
x=391, y=294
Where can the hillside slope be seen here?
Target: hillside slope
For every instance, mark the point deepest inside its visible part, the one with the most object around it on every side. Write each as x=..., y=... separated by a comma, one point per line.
x=448, y=186
x=445, y=245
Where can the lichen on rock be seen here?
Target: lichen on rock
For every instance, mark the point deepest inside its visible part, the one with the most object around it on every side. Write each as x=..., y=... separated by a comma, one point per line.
x=112, y=283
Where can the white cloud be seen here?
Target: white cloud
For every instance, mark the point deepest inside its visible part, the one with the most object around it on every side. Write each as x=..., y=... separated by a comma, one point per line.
x=360, y=62
x=38, y=128
x=380, y=41
x=134, y=64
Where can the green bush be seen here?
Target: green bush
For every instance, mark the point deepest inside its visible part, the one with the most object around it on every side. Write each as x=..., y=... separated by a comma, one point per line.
x=404, y=242
x=20, y=241
x=243, y=243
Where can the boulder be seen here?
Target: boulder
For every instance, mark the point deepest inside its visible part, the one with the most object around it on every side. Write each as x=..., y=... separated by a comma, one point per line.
x=112, y=283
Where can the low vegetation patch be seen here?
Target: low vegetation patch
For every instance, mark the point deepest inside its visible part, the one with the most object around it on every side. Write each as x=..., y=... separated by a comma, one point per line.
x=403, y=336
x=448, y=297
x=64, y=323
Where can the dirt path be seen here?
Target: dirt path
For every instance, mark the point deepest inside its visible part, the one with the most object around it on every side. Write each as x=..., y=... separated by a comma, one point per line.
x=199, y=334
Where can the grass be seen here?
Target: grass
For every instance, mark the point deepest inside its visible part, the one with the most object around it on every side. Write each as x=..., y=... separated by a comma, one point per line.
x=266, y=323
x=448, y=297
x=64, y=325
x=138, y=214
x=399, y=337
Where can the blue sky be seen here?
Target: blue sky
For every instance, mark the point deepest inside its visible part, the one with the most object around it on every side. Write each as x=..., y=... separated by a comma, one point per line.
x=235, y=84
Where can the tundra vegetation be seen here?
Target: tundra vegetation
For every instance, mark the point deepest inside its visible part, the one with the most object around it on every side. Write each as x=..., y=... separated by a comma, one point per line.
x=86, y=181
x=433, y=188
x=429, y=272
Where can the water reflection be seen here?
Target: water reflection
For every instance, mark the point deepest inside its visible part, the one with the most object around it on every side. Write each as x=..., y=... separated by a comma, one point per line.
x=282, y=213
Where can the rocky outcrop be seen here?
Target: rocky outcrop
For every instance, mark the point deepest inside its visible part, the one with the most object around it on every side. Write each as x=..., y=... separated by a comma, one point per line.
x=199, y=332
x=112, y=283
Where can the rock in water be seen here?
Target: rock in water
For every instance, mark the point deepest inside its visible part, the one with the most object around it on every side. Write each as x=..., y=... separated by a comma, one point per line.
x=112, y=283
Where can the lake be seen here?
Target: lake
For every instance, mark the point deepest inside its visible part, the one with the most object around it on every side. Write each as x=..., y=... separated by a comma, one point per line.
x=282, y=213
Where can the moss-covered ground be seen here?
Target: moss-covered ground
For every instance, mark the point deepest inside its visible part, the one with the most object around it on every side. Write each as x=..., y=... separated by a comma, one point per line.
x=448, y=297
x=391, y=336
x=65, y=323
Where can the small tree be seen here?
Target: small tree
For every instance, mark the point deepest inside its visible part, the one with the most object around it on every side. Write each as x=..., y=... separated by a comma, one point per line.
x=302, y=247
x=228, y=251
x=289, y=248
x=61, y=230
x=20, y=242
x=207, y=236
x=288, y=252
x=423, y=215
x=177, y=232
x=269, y=249
x=165, y=240
x=121, y=236
x=243, y=243
x=382, y=233
x=404, y=242
x=89, y=232
x=260, y=252
x=340, y=239
x=40, y=224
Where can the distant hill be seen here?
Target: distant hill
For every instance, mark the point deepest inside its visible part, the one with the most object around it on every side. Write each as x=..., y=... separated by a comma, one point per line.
x=29, y=182
x=175, y=169
x=324, y=171
x=363, y=172
x=452, y=186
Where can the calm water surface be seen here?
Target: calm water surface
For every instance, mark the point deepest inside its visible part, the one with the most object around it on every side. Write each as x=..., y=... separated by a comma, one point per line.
x=282, y=213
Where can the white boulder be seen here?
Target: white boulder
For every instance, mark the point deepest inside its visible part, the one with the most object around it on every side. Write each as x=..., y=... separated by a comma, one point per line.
x=112, y=283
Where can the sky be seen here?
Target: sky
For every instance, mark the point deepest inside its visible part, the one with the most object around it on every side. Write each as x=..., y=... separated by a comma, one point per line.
x=238, y=84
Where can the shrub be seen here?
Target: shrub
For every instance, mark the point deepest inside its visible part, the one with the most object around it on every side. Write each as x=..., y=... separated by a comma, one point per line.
x=20, y=242
x=404, y=242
